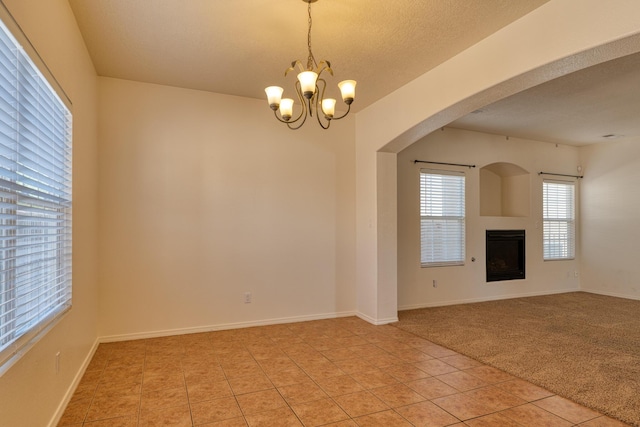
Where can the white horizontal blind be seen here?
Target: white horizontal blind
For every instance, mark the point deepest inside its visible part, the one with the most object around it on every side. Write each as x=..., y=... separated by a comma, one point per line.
x=442, y=218
x=35, y=200
x=559, y=229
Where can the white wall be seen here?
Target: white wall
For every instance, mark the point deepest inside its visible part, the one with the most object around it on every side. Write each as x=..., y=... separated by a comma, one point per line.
x=204, y=197
x=31, y=392
x=557, y=38
x=468, y=283
x=193, y=271
x=610, y=206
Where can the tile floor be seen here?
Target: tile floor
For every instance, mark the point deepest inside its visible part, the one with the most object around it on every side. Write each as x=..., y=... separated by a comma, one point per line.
x=338, y=372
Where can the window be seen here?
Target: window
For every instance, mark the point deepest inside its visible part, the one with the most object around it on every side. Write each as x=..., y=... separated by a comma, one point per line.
x=559, y=228
x=35, y=201
x=442, y=213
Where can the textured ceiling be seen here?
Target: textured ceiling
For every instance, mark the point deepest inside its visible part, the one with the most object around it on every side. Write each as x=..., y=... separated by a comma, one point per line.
x=597, y=104
x=239, y=47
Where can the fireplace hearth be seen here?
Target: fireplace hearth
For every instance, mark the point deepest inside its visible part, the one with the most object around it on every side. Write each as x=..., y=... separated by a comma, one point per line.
x=505, y=255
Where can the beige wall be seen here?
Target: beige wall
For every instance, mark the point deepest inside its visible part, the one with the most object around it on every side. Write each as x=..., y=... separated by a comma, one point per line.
x=31, y=391
x=178, y=256
x=204, y=197
x=547, y=43
x=467, y=283
x=610, y=206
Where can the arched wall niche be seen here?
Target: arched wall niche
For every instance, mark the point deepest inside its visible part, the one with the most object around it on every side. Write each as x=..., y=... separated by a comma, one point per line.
x=505, y=190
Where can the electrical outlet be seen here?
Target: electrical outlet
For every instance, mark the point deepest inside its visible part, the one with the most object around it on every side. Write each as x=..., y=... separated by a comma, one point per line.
x=247, y=297
x=435, y=283
x=57, y=362
x=575, y=273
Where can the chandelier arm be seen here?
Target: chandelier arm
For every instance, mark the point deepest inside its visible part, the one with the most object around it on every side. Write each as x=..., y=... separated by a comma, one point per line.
x=321, y=86
x=287, y=122
x=275, y=114
x=301, y=99
x=322, y=125
x=299, y=126
x=303, y=111
x=317, y=97
x=344, y=115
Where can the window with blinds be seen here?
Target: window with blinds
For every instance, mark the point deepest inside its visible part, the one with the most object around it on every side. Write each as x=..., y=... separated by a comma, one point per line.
x=35, y=201
x=442, y=218
x=559, y=215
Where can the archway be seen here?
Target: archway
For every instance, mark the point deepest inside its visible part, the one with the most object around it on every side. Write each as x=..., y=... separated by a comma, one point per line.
x=528, y=52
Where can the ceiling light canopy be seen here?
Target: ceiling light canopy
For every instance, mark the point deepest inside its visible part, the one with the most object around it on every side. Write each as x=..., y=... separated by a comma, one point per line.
x=310, y=88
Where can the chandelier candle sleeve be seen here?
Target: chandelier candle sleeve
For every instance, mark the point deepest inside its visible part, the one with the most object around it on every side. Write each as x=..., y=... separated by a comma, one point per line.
x=307, y=81
x=310, y=90
x=329, y=107
x=274, y=93
x=348, y=90
x=286, y=108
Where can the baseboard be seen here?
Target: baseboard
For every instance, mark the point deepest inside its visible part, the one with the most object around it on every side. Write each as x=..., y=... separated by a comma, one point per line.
x=125, y=337
x=483, y=299
x=74, y=384
x=224, y=326
x=611, y=294
x=376, y=322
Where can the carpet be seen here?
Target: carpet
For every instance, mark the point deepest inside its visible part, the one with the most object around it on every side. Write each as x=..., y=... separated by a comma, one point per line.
x=581, y=346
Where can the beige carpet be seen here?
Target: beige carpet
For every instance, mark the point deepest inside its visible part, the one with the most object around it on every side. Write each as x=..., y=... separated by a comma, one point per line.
x=582, y=346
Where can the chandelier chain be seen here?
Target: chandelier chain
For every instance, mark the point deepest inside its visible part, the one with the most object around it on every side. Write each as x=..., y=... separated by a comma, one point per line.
x=311, y=61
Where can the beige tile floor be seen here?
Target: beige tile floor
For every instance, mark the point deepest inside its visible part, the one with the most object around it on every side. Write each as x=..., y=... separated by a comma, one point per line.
x=339, y=372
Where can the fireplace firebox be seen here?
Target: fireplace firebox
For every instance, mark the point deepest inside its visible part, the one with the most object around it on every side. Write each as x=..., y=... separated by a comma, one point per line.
x=505, y=255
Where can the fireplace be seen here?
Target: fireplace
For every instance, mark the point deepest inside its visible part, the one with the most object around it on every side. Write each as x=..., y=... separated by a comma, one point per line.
x=505, y=255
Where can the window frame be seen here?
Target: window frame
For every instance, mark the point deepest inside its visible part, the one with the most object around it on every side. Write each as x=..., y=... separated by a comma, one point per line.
x=39, y=197
x=556, y=220
x=456, y=254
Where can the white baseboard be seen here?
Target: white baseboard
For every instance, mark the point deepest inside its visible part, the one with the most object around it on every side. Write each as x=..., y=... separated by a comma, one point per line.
x=125, y=337
x=611, y=294
x=74, y=384
x=376, y=322
x=224, y=326
x=483, y=299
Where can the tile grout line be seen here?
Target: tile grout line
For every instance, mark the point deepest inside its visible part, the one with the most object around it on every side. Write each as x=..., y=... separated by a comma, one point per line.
x=312, y=338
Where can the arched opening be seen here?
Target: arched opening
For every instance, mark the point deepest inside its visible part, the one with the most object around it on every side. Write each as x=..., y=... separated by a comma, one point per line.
x=377, y=270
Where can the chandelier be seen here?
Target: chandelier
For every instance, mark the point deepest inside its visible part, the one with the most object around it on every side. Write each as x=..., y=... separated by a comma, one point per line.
x=310, y=88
